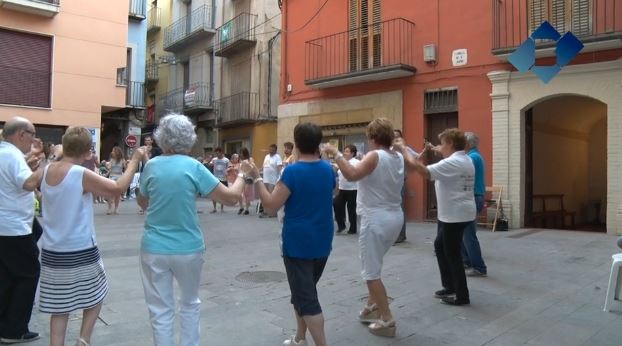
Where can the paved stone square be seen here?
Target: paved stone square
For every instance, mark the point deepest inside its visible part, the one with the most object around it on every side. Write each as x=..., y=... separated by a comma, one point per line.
x=544, y=287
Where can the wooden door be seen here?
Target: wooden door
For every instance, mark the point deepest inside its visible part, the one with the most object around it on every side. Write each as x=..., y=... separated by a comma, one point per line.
x=435, y=124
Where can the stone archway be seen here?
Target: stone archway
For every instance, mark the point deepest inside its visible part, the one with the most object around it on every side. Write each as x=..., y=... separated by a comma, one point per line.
x=565, y=150
x=513, y=93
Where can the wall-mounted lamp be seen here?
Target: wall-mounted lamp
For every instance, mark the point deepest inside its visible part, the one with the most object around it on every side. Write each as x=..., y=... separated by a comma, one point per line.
x=429, y=53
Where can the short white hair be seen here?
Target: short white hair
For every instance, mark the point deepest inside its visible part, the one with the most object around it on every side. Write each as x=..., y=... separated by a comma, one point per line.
x=175, y=133
x=472, y=139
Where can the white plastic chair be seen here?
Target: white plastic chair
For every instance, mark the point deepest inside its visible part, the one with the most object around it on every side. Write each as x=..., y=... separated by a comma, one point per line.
x=615, y=282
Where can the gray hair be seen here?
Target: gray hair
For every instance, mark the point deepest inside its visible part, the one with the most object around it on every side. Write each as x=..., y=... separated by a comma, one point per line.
x=13, y=125
x=471, y=139
x=175, y=133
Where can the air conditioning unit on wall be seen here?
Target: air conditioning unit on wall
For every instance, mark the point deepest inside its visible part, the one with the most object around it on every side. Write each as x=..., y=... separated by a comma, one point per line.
x=429, y=53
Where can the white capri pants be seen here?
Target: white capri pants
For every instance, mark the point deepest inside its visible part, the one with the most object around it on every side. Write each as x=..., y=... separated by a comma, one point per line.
x=158, y=273
x=379, y=231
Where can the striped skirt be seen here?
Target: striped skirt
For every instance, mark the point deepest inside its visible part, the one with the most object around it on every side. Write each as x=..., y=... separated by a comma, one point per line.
x=71, y=280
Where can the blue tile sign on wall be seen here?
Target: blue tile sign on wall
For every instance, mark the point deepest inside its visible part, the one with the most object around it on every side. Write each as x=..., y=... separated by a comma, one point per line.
x=566, y=48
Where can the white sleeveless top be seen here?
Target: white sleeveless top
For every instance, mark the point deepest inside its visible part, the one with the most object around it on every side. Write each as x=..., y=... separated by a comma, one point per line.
x=382, y=189
x=67, y=213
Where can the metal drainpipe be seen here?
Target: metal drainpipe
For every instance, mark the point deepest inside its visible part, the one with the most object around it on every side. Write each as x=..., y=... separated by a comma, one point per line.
x=270, y=44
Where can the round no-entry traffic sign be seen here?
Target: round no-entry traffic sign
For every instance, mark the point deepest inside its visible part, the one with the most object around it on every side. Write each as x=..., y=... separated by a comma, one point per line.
x=131, y=140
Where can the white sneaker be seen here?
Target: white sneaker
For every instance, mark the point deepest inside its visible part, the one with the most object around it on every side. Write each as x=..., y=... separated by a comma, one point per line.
x=292, y=341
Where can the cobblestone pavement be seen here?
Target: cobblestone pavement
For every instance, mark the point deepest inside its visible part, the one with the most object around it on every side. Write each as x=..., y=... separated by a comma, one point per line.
x=544, y=288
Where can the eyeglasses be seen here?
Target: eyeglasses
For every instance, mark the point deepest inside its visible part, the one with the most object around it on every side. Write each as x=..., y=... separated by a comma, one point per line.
x=32, y=133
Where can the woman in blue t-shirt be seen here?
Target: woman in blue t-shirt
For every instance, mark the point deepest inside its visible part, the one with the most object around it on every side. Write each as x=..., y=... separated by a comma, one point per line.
x=172, y=247
x=305, y=189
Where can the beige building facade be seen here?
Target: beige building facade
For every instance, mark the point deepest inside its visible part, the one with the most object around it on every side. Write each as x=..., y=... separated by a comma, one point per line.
x=561, y=138
x=73, y=73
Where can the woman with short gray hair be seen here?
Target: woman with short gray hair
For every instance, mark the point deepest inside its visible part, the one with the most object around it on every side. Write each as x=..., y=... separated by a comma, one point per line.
x=172, y=245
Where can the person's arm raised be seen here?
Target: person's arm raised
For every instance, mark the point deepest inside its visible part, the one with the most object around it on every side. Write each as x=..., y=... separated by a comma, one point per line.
x=271, y=202
x=353, y=172
x=230, y=195
x=410, y=161
x=98, y=185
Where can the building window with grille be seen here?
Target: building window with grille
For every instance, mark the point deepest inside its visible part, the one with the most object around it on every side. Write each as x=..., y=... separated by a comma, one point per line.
x=365, y=35
x=564, y=15
x=25, y=69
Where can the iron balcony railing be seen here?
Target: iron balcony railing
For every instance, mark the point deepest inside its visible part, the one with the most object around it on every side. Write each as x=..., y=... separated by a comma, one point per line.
x=239, y=107
x=135, y=95
x=151, y=72
x=240, y=29
x=199, y=20
x=376, y=46
x=195, y=98
x=137, y=9
x=513, y=21
x=153, y=19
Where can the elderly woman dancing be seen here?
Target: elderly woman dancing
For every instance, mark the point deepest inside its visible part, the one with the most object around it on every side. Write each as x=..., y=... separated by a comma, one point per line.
x=454, y=178
x=381, y=176
x=72, y=274
x=172, y=246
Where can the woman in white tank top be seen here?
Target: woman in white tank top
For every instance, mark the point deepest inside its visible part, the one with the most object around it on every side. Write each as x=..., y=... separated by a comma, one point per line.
x=380, y=177
x=72, y=272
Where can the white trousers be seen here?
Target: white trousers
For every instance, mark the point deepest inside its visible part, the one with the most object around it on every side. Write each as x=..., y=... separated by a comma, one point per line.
x=158, y=272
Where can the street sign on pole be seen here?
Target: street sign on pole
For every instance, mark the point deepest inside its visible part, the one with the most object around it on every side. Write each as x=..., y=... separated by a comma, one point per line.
x=131, y=140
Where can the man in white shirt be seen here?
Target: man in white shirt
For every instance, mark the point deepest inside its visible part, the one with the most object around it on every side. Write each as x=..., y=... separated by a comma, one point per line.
x=272, y=165
x=19, y=255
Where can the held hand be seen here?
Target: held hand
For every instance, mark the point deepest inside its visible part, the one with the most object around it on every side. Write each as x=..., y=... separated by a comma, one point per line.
x=398, y=144
x=139, y=154
x=37, y=146
x=328, y=149
x=245, y=167
x=33, y=162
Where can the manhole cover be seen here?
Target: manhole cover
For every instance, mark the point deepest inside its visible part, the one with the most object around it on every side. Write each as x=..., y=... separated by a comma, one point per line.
x=261, y=277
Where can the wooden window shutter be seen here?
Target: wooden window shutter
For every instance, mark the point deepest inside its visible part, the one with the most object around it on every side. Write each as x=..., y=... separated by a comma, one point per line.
x=25, y=68
x=581, y=17
x=353, y=20
x=365, y=34
x=538, y=13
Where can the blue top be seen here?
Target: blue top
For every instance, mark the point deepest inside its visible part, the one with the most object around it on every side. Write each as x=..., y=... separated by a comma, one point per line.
x=172, y=184
x=480, y=174
x=308, y=224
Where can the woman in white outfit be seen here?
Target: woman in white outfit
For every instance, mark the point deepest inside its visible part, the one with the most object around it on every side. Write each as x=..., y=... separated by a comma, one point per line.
x=380, y=177
x=72, y=273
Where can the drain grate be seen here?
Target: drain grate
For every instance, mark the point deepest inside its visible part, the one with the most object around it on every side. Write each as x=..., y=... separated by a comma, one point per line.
x=525, y=233
x=261, y=277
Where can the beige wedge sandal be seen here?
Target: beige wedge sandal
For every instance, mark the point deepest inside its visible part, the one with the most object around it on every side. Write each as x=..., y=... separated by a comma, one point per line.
x=369, y=314
x=383, y=328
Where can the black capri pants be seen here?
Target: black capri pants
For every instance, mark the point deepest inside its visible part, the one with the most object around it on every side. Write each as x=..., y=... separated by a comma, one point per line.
x=303, y=276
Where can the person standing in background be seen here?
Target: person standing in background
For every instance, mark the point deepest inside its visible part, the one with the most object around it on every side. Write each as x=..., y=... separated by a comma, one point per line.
x=397, y=133
x=272, y=165
x=289, y=157
x=471, y=251
x=219, y=164
x=346, y=196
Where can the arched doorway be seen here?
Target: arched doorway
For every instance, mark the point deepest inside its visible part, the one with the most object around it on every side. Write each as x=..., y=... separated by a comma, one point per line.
x=565, y=156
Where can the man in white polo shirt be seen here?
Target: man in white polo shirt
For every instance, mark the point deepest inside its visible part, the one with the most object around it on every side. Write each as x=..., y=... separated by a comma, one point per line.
x=19, y=255
x=272, y=165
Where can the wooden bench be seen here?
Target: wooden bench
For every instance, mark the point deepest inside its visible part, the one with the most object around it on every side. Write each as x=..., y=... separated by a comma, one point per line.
x=554, y=216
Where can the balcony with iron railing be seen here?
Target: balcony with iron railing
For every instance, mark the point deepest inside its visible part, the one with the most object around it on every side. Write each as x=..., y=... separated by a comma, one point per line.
x=45, y=8
x=137, y=9
x=379, y=51
x=151, y=73
x=198, y=25
x=238, y=109
x=193, y=100
x=153, y=20
x=597, y=23
x=235, y=35
x=135, y=94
